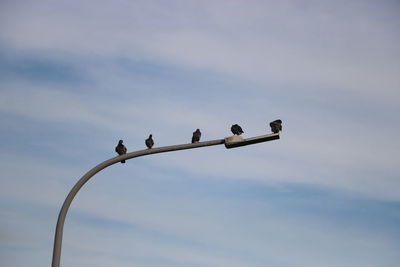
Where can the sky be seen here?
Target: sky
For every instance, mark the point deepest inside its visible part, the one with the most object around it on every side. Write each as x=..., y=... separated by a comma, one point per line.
x=77, y=76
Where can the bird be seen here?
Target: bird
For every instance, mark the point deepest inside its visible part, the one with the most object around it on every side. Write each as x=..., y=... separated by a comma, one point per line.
x=121, y=149
x=236, y=129
x=149, y=141
x=196, y=136
x=276, y=126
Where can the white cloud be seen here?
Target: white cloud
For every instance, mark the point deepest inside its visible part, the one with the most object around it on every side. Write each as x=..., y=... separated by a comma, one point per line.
x=319, y=46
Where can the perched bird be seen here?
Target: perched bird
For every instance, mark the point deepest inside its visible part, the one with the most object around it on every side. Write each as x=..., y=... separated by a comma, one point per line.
x=196, y=136
x=236, y=129
x=120, y=149
x=149, y=141
x=276, y=126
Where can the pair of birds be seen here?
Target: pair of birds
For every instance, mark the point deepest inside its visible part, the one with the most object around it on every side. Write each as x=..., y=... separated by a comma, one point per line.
x=121, y=148
x=276, y=126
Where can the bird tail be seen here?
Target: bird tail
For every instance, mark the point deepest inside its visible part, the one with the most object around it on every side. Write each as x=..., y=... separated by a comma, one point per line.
x=122, y=161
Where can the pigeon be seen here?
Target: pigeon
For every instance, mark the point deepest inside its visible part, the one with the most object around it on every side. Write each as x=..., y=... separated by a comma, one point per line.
x=236, y=129
x=120, y=149
x=196, y=136
x=149, y=141
x=276, y=126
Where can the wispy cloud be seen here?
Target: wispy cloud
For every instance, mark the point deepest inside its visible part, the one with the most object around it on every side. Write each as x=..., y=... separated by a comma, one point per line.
x=317, y=45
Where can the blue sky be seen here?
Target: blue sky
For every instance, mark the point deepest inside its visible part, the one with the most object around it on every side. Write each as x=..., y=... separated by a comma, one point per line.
x=75, y=77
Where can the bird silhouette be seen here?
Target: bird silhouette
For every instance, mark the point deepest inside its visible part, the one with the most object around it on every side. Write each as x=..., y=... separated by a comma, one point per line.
x=276, y=126
x=196, y=136
x=149, y=141
x=236, y=129
x=121, y=149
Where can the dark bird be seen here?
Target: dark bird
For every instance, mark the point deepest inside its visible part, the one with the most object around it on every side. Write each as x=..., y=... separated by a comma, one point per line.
x=236, y=129
x=149, y=141
x=276, y=126
x=120, y=149
x=196, y=136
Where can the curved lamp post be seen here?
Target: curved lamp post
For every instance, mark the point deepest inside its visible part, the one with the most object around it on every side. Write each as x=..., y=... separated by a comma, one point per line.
x=230, y=142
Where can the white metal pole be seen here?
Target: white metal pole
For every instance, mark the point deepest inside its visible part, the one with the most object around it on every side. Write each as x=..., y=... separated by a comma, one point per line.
x=64, y=209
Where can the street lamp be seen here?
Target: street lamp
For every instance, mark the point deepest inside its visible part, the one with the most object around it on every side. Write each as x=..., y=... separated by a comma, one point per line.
x=230, y=142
